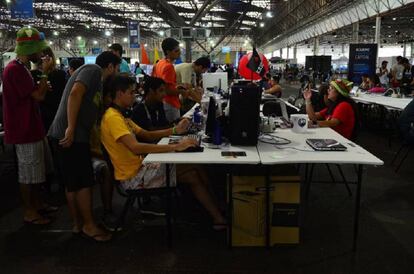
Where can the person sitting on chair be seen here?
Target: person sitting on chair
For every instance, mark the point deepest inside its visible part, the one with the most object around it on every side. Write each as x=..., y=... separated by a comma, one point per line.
x=149, y=114
x=119, y=136
x=340, y=114
x=275, y=88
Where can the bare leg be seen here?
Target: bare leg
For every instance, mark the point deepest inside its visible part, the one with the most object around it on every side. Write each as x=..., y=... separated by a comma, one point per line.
x=29, y=210
x=200, y=191
x=84, y=204
x=73, y=211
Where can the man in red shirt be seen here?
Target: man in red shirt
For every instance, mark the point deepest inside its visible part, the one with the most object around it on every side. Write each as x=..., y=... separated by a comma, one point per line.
x=340, y=114
x=164, y=69
x=22, y=121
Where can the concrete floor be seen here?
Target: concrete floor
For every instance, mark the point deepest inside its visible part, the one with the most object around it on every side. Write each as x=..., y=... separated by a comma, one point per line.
x=385, y=245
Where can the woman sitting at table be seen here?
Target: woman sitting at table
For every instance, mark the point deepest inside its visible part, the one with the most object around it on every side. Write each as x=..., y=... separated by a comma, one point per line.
x=275, y=88
x=375, y=84
x=340, y=114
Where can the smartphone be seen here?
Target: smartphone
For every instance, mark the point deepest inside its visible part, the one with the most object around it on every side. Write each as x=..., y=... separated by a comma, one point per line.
x=233, y=154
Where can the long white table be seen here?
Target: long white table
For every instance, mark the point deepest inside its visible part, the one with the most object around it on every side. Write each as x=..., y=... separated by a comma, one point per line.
x=300, y=152
x=386, y=101
x=208, y=156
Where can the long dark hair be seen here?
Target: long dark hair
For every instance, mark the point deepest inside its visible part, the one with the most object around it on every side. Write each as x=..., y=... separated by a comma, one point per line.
x=332, y=105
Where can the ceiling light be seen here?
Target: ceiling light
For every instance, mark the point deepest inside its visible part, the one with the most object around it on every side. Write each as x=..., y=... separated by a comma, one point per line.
x=181, y=45
x=125, y=40
x=261, y=24
x=67, y=45
x=95, y=42
x=50, y=43
x=394, y=18
x=107, y=33
x=87, y=26
x=8, y=1
x=161, y=33
x=57, y=16
x=55, y=33
x=269, y=14
x=145, y=45
x=79, y=38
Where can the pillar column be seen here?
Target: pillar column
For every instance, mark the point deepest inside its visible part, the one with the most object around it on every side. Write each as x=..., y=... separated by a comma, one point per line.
x=188, y=51
x=316, y=45
x=355, y=32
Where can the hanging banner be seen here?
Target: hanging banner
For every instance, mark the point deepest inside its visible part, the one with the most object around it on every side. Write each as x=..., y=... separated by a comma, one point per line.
x=134, y=34
x=21, y=9
x=362, y=60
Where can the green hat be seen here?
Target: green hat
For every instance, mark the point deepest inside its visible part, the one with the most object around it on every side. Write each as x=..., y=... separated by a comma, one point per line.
x=29, y=41
x=342, y=86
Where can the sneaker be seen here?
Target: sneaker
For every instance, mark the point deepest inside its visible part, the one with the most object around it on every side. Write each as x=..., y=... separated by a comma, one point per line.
x=110, y=222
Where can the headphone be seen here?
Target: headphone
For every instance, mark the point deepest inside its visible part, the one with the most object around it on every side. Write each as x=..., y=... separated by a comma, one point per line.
x=126, y=112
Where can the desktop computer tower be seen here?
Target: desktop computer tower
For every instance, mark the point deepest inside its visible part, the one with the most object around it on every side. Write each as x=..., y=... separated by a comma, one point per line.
x=244, y=115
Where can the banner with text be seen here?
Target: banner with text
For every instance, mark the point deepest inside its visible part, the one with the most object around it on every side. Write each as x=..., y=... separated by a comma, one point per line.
x=21, y=9
x=134, y=34
x=362, y=60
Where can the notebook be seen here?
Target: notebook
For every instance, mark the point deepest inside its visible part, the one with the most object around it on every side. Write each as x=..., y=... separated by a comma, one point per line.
x=325, y=145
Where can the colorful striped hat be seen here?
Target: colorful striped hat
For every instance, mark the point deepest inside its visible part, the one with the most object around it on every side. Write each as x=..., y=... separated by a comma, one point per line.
x=343, y=86
x=29, y=41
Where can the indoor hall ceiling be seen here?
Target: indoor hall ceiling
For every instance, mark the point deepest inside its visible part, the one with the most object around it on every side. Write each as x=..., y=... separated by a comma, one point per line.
x=94, y=19
x=396, y=28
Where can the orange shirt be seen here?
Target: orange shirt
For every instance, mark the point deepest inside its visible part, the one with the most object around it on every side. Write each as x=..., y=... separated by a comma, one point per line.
x=164, y=69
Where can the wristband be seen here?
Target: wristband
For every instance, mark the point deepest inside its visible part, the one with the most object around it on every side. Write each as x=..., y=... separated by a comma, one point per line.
x=174, y=131
x=308, y=102
x=43, y=76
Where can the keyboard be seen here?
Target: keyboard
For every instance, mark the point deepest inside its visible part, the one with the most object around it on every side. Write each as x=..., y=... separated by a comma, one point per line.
x=197, y=148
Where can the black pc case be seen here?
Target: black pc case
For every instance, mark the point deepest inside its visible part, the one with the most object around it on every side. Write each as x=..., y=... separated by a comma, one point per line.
x=244, y=114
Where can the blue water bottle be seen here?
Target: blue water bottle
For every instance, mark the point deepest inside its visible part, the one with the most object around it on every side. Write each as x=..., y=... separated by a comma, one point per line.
x=197, y=116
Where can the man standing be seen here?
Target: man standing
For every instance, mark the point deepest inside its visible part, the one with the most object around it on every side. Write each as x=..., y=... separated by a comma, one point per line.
x=78, y=111
x=164, y=69
x=187, y=74
x=382, y=73
x=117, y=50
x=22, y=121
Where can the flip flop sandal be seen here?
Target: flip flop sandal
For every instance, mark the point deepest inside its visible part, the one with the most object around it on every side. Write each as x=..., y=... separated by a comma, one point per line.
x=48, y=210
x=220, y=226
x=93, y=238
x=36, y=221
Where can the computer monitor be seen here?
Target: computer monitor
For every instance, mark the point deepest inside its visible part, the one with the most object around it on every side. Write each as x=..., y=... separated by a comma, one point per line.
x=216, y=79
x=90, y=59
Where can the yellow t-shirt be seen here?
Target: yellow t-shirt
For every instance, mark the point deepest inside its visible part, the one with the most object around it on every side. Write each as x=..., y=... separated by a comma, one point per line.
x=114, y=126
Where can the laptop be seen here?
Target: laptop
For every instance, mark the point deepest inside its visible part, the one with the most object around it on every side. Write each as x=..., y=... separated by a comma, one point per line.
x=325, y=145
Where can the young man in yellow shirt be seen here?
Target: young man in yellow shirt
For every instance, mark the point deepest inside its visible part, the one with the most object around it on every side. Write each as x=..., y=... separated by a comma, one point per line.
x=119, y=136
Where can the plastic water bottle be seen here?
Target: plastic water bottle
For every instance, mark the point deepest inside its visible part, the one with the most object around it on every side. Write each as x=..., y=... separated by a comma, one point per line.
x=197, y=116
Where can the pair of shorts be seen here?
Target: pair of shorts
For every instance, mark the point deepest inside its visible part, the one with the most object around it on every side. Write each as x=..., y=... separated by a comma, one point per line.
x=151, y=176
x=34, y=162
x=75, y=165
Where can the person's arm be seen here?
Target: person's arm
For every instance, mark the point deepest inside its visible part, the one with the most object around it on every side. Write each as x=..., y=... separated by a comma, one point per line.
x=74, y=102
x=39, y=93
x=151, y=136
x=141, y=148
x=314, y=116
x=329, y=123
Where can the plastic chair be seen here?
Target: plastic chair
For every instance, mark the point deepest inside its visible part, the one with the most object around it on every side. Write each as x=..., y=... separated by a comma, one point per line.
x=137, y=194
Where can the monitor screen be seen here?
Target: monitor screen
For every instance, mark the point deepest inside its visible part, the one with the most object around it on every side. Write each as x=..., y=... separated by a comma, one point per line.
x=90, y=59
x=216, y=79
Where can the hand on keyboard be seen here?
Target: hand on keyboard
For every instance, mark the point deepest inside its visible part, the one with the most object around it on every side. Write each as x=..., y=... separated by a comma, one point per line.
x=190, y=143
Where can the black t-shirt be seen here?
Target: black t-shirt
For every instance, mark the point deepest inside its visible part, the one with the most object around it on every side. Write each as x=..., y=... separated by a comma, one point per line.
x=150, y=117
x=49, y=106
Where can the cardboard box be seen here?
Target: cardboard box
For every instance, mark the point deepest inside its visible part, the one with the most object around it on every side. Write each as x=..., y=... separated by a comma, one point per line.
x=249, y=210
